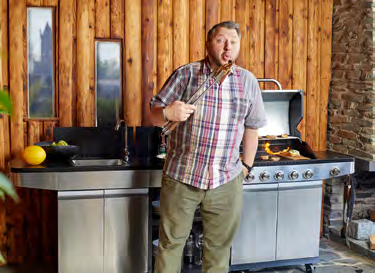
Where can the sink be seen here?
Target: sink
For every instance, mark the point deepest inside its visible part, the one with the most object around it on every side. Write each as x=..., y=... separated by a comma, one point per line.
x=98, y=162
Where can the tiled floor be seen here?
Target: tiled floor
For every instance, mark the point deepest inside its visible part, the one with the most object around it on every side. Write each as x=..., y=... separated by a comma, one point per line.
x=334, y=258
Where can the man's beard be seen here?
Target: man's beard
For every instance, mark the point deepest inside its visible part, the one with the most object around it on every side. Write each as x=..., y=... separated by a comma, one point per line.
x=218, y=61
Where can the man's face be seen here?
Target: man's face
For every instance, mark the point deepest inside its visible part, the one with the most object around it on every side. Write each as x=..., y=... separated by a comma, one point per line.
x=224, y=46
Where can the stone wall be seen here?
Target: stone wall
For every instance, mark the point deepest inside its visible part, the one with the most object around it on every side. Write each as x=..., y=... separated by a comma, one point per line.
x=333, y=205
x=333, y=200
x=365, y=195
x=351, y=106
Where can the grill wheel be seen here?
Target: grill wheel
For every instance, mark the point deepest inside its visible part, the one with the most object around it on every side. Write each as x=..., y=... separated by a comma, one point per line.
x=309, y=268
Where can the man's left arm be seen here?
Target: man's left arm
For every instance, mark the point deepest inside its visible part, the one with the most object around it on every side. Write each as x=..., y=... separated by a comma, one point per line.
x=250, y=146
x=255, y=118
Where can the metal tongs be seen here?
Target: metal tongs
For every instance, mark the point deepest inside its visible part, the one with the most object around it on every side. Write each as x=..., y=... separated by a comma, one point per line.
x=219, y=75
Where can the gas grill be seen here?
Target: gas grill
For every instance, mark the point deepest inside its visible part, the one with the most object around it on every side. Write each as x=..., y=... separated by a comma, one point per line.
x=281, y=214
x=289, y=170
x=284, y=109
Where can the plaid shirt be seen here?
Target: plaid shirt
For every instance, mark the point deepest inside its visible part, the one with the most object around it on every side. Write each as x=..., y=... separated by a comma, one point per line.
x=204, y=150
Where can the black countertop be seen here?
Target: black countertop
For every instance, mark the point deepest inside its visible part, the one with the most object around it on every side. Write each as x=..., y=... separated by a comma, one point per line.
x=19, y=166
x=329, y=155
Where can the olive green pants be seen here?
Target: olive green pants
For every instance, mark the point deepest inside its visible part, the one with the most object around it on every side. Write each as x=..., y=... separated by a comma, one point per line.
x=220, y=211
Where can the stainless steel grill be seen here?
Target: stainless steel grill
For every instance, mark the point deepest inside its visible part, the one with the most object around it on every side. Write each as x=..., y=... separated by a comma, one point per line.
x=280, y=222
x=284, y=110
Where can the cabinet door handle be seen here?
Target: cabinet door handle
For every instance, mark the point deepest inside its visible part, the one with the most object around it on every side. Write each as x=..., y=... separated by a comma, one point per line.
x=80, y=194
x=124, y=192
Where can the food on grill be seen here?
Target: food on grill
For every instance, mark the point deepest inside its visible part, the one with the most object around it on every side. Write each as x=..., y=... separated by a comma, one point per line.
x=275, y=158
x=267, y=148
x=264, y=157
x=284, y=135
x=293, y=152
x=271, y=136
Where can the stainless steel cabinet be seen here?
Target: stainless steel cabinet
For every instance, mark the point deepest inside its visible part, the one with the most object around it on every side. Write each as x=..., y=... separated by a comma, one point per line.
x=126, y=231
x=280, y=222
x=299, y=209
x=103, y=231
x=80, y=231
x=256, y=236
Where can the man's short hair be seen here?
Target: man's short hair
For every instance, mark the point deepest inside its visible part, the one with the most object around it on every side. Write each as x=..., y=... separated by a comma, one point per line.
x=227, y=24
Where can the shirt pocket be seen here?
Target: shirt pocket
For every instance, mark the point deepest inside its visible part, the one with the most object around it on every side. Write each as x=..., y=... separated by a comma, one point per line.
x=239, y=108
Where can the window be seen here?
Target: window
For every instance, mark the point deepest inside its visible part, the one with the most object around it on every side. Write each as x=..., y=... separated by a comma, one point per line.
x=40, y=62
x=108, y=82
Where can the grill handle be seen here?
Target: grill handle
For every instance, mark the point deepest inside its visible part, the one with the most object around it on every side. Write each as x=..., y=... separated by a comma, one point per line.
x=271, y=80
x=300, y=185
x=260, y=187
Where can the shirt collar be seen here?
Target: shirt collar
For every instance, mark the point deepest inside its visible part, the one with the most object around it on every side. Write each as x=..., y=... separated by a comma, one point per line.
x=206, y=66
x=208, y=70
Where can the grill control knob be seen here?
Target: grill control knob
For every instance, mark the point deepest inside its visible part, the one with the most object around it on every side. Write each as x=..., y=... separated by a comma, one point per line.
x=308, y=174
x=264, y=176
x=279, y=175
x=335, y=171
x=250, y=177
x=293, y=175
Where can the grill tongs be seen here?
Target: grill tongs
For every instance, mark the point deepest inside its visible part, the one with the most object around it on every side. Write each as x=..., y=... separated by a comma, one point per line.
x=218, y=75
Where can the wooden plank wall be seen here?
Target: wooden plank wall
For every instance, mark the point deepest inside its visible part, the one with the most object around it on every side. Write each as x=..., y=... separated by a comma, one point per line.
x=289, y=40
x=4, y=120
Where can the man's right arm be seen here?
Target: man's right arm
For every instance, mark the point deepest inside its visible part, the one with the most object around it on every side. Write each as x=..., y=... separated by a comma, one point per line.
x=157, y=116
x=176, y=111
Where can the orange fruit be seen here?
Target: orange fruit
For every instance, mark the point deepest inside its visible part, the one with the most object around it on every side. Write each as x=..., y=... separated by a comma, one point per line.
x=34, y=155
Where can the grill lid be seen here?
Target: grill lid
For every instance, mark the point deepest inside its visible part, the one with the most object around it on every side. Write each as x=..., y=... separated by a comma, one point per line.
x=284, y=111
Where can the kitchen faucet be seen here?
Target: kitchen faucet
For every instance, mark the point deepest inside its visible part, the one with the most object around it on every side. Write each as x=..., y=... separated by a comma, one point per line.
x=124, y=139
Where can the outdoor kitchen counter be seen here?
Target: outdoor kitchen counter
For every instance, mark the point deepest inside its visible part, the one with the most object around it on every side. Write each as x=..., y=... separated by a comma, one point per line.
x=102, y=213
x=105, y=210
x=138, y=174
x=65, y=176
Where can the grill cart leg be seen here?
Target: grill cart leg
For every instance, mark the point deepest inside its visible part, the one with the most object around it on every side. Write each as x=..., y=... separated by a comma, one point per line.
x=309, y=268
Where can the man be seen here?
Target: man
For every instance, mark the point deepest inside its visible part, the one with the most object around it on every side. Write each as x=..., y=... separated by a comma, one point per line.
x=202, y=165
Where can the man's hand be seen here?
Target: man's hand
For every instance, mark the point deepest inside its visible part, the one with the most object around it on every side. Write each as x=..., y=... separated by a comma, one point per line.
x=179, y=111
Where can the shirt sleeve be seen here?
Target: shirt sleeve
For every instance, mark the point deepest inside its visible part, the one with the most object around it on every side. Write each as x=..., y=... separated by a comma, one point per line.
x=256, y=116
x=172, y=89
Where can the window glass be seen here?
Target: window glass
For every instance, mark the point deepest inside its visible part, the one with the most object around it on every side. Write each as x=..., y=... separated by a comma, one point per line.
x=40, y=60
x=108, y=81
